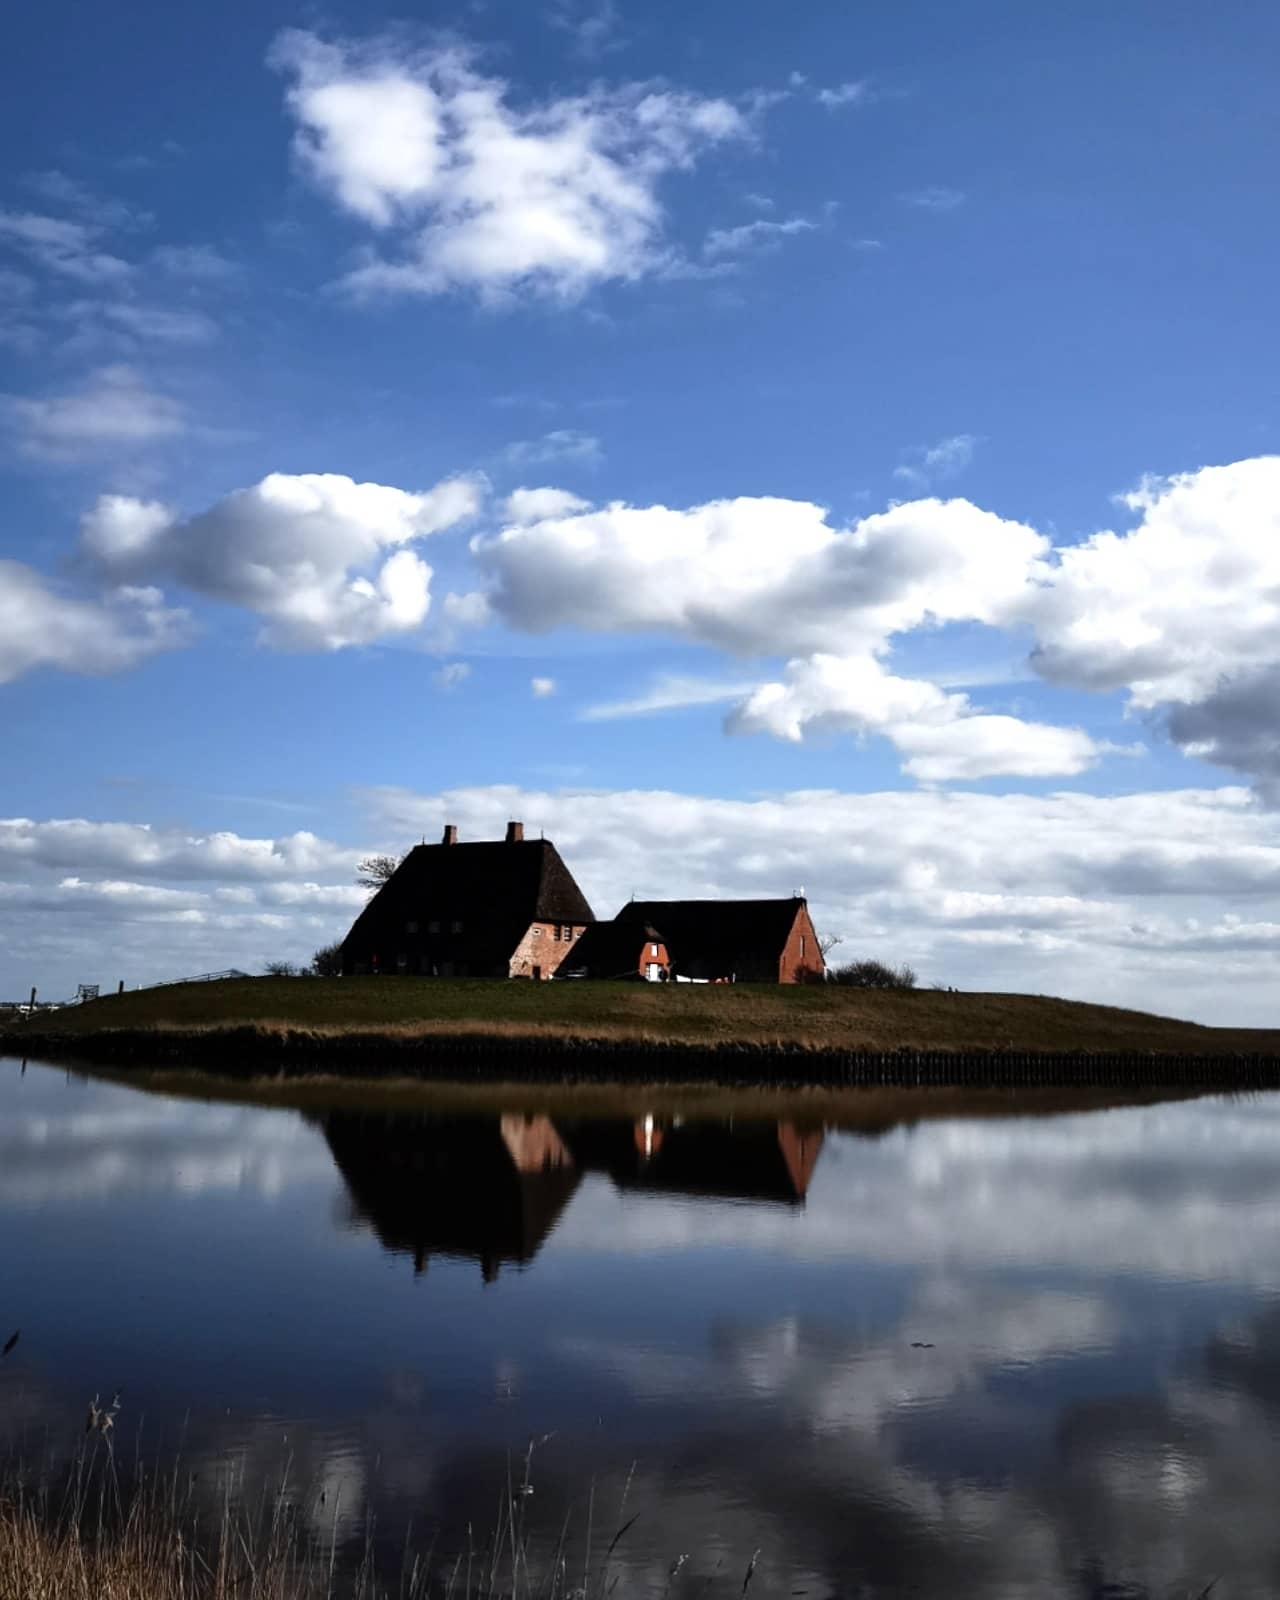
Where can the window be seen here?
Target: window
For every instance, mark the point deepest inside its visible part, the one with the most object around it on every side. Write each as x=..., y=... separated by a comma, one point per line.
x=411, y=927
x=802, y=947
x=537, y=933
x=455, y=927
x=653, y=949
x=433, y=927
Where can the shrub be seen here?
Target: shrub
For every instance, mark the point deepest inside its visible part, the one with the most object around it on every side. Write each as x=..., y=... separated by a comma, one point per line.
x=327, y=961
x=873, y=975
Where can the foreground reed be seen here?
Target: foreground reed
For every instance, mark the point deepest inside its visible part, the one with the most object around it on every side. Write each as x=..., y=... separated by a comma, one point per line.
x=91, y=1535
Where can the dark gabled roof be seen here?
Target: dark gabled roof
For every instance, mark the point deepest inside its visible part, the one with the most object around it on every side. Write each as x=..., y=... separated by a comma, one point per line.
x=609, y=950
x=724, y=934
x=494, y=888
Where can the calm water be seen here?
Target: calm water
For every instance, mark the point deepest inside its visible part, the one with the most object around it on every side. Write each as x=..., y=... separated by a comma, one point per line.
x=1033, y=1355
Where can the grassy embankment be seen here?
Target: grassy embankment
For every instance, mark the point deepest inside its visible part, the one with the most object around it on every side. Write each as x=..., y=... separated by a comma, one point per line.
x=820, y=1018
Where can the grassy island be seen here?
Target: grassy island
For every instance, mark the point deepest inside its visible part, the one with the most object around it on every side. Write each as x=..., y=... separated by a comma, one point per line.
x=584, y=1031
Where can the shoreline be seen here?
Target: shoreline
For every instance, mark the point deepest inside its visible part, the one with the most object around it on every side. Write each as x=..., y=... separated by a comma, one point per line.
x=568, y=1060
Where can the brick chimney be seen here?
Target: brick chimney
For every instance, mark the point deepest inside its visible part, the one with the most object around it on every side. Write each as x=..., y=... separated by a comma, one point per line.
x=515, y=832
x=450, y=833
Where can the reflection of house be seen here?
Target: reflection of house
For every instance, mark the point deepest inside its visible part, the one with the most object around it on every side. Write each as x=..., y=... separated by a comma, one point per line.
x=484, y=1187
x=746, y=941
x=494, y=909
x=493, y=1188
x=760, y=1161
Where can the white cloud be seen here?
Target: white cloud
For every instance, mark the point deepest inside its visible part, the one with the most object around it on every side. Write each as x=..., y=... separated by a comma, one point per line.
x=453, y=674
x=762, y=575
x=160, y=323
x=855, y=92
x=102, y=211
x=670, y=691
x=533, y=505
x=112, y=409
x=561, y=444
x=723, y=242
x=325, y=561
x=935, y=198
x=542, y=688
x=941, y=736
x=63, y=246
x=550, y=199
x=942, y=460
x=74, y=845
x=1183, y=612
x=40, y=626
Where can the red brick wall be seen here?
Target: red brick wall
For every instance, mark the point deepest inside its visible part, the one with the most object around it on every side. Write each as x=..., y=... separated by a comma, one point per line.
x=540, y=948
x=800, y=954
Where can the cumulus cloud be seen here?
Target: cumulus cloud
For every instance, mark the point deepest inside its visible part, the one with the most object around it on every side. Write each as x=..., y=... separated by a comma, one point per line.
x=1182, y=612
x=481, y=193
x=764, y=576
x=42, y=626
x=324, y=560
x=941, y=736
x=112, y=409
x=760, y=575
x=542, y=688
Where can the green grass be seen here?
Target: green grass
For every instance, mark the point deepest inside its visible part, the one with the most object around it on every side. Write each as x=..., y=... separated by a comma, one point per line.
x=817, y=1017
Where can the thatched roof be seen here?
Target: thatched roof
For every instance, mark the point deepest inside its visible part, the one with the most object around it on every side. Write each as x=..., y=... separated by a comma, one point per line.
x=610, y=950
x=716, y=938
x=495, y=889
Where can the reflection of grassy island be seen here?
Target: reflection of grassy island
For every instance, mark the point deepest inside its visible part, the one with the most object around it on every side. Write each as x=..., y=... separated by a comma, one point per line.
x=597, y=1030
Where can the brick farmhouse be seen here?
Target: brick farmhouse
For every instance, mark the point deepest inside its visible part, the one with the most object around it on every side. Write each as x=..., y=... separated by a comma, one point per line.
x=505, y=908
x=510, y=908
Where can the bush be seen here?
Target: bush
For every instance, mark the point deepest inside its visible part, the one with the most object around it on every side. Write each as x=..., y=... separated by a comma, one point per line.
x=327, y=961
x=873, y=975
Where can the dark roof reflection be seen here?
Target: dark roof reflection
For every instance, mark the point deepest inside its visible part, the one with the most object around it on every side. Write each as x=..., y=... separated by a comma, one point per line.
x=492, y=1189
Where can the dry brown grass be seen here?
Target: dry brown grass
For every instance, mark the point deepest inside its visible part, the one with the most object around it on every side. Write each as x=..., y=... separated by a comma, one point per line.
x=92, y=1538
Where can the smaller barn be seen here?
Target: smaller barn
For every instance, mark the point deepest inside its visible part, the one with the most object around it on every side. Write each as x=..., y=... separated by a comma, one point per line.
x=701, y=941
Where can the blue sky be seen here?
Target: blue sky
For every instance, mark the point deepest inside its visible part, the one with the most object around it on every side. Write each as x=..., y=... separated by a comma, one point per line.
x=841, y=339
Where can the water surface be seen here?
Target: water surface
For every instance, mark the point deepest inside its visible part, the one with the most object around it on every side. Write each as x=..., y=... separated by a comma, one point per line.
x=970, y=1356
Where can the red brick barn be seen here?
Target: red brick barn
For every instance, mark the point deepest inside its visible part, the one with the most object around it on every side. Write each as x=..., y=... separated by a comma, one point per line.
x=732, y=941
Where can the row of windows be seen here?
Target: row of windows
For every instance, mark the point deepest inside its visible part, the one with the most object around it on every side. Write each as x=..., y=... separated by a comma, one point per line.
x=432, y=927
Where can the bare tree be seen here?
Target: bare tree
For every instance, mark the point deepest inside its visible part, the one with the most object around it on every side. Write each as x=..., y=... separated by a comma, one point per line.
x=373, y=871
x=281, y=969
x=828, y=942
